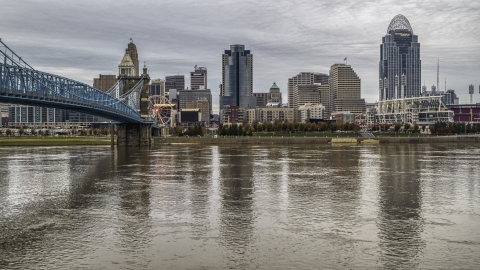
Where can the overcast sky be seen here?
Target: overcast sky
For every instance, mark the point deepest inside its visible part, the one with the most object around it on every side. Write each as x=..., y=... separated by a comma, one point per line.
x=81, y=39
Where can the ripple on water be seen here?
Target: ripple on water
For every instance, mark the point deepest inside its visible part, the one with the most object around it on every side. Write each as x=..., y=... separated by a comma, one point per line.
x=212, y=207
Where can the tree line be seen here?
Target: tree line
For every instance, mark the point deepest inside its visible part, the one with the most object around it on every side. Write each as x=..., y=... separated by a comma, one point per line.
x=192, y=130
x=437, y=128
x=246, y=129
x=46, y=132
x=454, y=128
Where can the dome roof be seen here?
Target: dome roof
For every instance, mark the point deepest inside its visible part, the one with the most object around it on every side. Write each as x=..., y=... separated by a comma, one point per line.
x=274, y=86
x=399, y=22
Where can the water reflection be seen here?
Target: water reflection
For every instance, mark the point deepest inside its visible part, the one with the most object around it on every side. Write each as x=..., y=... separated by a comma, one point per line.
x=236, y=213
x=43, y=184
x=134, y=193
x=240, y=207
x=400, y=221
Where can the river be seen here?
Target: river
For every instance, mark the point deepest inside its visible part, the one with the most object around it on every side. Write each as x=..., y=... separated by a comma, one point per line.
x=393, y=206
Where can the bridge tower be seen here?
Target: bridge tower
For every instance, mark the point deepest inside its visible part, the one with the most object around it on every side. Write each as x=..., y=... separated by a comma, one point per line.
x=133, y=134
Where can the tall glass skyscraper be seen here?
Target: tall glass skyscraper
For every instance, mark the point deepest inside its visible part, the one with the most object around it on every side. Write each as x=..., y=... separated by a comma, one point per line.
x=237, y=78
x=400, y=65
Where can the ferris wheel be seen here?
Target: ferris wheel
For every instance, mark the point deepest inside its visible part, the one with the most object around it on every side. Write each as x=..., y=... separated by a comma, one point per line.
x=162, y=110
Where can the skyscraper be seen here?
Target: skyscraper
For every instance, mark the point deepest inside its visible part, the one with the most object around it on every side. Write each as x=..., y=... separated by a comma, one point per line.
x=400, y=65
x=132, y=51
x=237, y=78
x=204, y=106
x=306, y=93
x=186, y=96
x=198, y=78
x=175, y=82
x=260, y=99
x=304, y=78
x=345, y=89
x=157, y=87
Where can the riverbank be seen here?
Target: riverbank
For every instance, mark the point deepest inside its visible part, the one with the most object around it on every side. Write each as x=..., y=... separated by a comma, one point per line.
x=53, y=141
x=310, y=140
x=89, y=140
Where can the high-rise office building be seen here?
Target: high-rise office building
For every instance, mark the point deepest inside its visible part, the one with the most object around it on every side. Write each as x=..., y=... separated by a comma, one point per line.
x=260, y=99
x=237, y=78
x=198, y=78
x=306, y=94
x=400, y=65
x=204, y=106
x=132, y=51
x=175, y=82
x=157, y=87
x=186, y=96
x=303, y=78
x=324, y=90
x=345, y=89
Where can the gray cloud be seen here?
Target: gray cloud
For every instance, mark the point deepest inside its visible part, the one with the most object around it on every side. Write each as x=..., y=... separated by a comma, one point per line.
x=80, y=40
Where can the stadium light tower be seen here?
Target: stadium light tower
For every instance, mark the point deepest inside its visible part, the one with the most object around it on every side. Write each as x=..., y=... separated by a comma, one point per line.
x=470, y=91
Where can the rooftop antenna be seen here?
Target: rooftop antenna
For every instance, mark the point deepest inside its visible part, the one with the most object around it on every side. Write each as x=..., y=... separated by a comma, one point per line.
x=438, y=72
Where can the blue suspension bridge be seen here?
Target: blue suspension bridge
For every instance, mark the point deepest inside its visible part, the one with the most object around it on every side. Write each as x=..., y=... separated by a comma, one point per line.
x=21, y=84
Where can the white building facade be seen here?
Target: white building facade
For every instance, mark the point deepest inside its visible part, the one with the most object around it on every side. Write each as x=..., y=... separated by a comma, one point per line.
x=311, y=111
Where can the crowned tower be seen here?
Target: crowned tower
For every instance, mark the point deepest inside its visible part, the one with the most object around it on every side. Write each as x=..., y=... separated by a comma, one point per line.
x=126, y=67
x=400, y=65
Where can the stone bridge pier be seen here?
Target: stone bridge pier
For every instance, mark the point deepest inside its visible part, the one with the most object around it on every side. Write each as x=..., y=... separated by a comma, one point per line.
x=134, y=134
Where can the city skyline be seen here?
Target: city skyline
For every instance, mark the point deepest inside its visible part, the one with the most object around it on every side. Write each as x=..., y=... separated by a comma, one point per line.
x=286, y=38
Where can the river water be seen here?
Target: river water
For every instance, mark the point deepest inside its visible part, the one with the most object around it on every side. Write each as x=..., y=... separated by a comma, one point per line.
x=248, y=207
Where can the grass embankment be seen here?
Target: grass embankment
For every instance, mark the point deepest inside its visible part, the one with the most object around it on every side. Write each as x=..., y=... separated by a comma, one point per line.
x=53, y=141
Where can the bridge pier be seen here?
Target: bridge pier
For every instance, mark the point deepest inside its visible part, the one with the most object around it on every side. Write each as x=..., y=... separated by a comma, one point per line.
x=112, y=135
x=134, y=135
x=156, y=132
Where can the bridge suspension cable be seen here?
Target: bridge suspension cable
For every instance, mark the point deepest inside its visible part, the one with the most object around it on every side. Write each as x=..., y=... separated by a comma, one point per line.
x=12, y=57
x=116, y=89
